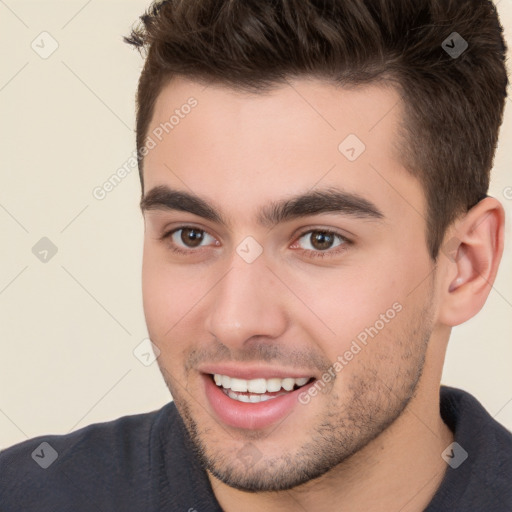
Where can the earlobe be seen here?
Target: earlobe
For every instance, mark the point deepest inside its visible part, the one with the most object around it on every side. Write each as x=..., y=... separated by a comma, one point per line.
x=476, y=247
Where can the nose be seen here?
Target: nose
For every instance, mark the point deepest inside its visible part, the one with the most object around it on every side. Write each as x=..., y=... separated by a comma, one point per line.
x=248, y=302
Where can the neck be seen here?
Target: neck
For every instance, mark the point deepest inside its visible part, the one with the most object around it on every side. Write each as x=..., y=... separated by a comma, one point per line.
x=401, y=469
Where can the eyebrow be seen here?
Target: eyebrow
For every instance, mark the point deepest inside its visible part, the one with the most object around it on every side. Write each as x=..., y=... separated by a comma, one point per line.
x=328, y=200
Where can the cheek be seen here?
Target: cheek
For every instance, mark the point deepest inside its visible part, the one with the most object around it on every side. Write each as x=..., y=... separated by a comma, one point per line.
x=170, y=294
x=162, y=293
x=354, y=301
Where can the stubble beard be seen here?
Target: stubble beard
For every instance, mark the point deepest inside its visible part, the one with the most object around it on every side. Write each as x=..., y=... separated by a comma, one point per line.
x=372, y=401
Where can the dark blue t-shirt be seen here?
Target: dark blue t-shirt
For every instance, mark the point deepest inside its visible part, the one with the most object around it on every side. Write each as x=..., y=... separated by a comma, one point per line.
x=145, y=463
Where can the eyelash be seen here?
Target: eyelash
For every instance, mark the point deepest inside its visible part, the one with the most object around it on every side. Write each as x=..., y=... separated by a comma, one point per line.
x=311, y=253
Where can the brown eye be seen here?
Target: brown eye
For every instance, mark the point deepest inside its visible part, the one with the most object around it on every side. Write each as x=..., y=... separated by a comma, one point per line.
x=319, y=240
x=191, y=237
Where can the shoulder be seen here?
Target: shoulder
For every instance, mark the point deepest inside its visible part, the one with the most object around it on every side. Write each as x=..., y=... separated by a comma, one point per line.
x=84, y=470
x=472, y=423
x=480, y=475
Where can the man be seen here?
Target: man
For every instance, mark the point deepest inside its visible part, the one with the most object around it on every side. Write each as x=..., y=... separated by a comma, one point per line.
x=314, y=179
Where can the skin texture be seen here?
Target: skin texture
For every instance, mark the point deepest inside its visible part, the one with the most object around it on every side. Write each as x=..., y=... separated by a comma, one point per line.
x=372, y=438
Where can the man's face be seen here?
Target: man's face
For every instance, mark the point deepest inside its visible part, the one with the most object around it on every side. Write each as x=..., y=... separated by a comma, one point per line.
x=262, y=284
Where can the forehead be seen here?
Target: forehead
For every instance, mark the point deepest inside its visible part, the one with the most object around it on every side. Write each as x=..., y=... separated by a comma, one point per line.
x=238, y=148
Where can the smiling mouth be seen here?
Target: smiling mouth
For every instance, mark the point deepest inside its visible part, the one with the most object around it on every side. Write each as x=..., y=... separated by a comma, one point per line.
x=258, y=390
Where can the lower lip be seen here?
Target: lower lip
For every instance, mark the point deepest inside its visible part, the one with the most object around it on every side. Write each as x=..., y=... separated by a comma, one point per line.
x=250, y=415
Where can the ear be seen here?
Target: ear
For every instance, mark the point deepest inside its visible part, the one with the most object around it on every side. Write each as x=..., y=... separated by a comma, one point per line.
x=472, y=251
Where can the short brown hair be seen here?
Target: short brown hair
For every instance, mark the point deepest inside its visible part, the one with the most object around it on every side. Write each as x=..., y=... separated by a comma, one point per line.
x=453, y=106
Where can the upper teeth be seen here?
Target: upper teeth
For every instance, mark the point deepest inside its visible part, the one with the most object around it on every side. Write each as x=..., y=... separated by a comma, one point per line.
x=258, y=385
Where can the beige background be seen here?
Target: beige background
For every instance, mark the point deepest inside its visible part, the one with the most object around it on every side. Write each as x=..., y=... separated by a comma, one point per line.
x=68, y=327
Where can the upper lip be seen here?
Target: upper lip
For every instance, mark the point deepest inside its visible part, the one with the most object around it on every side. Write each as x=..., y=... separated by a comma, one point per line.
x=253, y=372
